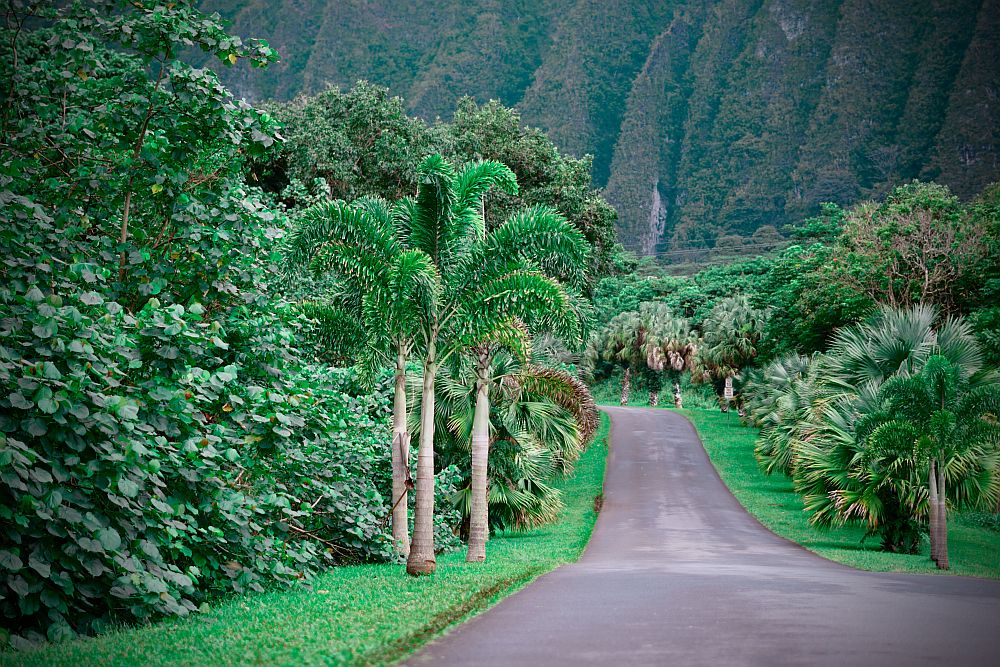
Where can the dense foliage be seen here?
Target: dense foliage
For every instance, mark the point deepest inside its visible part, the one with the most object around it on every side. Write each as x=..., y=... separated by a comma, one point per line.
x=361, y=143
x=162, y=437
x=819, y=340
x=705, y=121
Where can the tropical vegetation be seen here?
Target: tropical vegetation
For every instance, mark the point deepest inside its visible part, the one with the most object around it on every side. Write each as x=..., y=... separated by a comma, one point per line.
x=865, y=360
x=221, y=325
x=187, y=412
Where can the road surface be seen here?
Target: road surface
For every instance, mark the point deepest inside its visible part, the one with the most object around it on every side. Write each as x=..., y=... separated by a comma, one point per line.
x=677, y=573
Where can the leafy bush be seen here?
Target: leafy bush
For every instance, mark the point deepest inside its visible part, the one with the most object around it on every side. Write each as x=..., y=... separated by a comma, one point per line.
x=145, y=469
x=987, y=520
x=162, y=437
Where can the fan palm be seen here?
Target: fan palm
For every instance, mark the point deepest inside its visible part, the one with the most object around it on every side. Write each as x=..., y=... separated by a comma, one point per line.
x=670, y=345
x=619, y=344
x=779, y=400
x=625, y=342
x=898, y=342
x=850, y=469
x=539, y=420
x=731, y=334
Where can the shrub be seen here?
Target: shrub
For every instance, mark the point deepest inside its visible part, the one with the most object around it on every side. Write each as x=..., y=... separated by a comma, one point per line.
x=146, y=466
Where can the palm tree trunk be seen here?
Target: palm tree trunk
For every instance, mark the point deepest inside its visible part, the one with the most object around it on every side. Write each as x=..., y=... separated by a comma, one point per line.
x=626, y=386
x=942, y=561
x=479, y=520
x=400, y=462
x=421, y=559
x=678, y=399
x=654, y=399
x=932, y=495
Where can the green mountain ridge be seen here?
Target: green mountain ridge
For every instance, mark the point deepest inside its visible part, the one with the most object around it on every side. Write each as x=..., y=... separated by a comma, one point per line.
x=704, y=119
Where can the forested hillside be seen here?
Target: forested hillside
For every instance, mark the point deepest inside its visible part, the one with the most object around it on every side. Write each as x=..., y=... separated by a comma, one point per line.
x=703, y=121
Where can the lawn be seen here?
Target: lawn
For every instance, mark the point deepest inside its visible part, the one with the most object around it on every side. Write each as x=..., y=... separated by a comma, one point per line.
x=973, y=551
x=361, y=615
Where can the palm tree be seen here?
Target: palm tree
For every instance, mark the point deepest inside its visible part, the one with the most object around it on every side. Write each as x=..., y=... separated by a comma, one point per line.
x=623, y=342
x=939, y=421
x=543, y=239
x=670, y=346
x=731, y=335
x=488, y=281
x=618, y=345
x=386, y=292
x=845, y=469
x=539, y=420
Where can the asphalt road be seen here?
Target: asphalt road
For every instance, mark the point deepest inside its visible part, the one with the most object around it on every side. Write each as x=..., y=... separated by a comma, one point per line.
x=677, y=573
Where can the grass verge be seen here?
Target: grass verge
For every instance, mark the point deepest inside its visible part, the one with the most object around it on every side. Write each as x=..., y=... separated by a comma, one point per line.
x=771, y=499
x=361, y=615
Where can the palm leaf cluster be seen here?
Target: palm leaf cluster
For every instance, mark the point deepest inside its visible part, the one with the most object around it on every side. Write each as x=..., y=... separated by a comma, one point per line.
x=781, y=397
x=897, y=421
x=424, y=277
x=651, y=342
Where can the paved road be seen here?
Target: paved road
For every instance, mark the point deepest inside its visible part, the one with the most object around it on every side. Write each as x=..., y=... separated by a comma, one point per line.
x=677, y=573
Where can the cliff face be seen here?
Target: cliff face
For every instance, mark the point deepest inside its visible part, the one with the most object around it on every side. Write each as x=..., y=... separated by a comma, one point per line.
x=703, y=120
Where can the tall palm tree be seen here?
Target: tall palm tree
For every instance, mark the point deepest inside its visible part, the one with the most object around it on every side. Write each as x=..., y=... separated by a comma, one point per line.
x=544, y=239
x=386, y=293
x=488, y=281
x=939, y=421
x=731, y=335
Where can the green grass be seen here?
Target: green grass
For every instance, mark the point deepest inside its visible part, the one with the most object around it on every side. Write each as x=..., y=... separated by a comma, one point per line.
x=370, y=614
x=973, y=550
x=609, y=390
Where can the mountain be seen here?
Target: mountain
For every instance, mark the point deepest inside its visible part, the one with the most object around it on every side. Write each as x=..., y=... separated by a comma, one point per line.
x=704, y=119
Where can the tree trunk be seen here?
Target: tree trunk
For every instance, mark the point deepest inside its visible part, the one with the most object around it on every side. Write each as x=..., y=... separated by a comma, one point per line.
x=678, y=399
x=479, y=521
x=932, y=495
x=421, y=559
x=626, y=386
x=400, y=462
x=654, y=399
x=942, y=561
